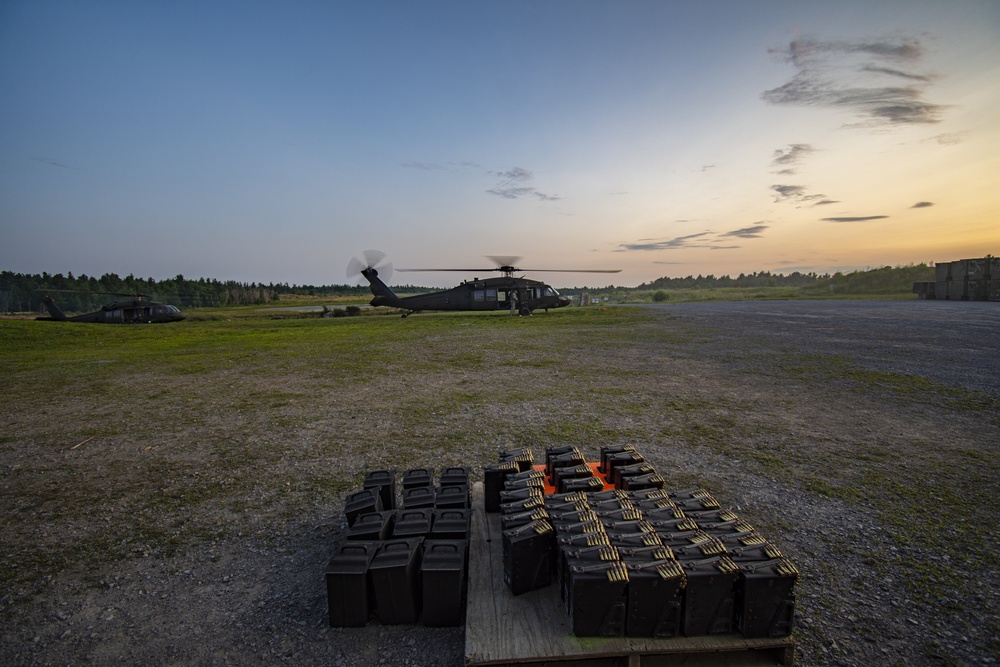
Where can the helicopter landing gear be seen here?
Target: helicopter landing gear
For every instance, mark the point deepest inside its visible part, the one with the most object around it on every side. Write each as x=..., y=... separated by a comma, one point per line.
x=525, y=311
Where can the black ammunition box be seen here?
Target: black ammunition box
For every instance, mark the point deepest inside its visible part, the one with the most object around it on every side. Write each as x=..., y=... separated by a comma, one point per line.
x=634, y=539
x=418, y=477
x=591, y=539
x=637, y=495
x=557, y=510
x=751, y=553
x=684, y=537
x=509, y=521
x=709, y=596
x=655, y=598
x=712, y=516
x=726, y=527
x=693, y=545
x=626, y=527
x=442, y=573
x=630, y=470
x=698, y=504
x=666, y=511
x=522, y=505
x=765, y=603
x=567, y=519
x=651, y=503
x=570, y=497
x=686, y=494
x=610, y=494
x=584, y=484
x=455, y=496
x=511, y=495
x=413, y=523
x=597, y=598
x=611, y=504
x=522, y=457
x=558, y=450
x=517, y=478
x=653, y=480
x=395, y=576
x=453, y=477
x=568, y=460
x=644, y=554
x=564, y=527
x=563, y=474
x=417, y=497
x=671, y=526
x=372, y=527
x=607, y=451
x=385, y=482
x=614, y=514
x=349, y=592
x=451, y=524
x=514, y=482
x=493, y=482
x=566, y=557
x=619, y=459
x=528, y=552
x=361, y=502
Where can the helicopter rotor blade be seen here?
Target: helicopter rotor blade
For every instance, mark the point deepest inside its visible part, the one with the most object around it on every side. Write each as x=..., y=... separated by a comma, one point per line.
x=371, y=259
x=504, y=260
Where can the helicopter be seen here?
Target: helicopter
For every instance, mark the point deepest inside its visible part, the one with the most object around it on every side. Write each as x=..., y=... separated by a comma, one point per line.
x=139, y=310
x=519, y=295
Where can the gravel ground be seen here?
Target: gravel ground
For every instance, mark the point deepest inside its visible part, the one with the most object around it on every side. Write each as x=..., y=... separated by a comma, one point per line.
x=813, y=420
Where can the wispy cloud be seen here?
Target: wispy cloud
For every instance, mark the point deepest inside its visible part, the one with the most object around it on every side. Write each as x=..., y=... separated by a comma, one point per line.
x=864, y=218
x=797, y=194
x=511, y=185
x=787, y=158
x=747, y=232
x=52, y=162
x=707, y=240
x=424, y=166
x=923, y=204
x=872, y=80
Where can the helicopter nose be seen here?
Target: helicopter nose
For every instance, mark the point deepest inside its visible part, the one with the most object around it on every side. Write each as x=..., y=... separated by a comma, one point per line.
x=563, y=300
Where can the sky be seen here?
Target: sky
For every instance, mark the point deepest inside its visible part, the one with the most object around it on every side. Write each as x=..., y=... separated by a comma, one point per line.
x=272, y=141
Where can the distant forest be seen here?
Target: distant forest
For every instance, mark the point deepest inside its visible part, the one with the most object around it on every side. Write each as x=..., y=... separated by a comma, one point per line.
x=23, y=292
x=884, y=280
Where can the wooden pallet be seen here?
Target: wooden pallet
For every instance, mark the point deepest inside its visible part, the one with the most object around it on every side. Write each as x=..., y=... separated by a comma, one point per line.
x=534, y=629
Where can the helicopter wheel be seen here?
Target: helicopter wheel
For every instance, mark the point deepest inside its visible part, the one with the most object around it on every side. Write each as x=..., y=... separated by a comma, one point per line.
x=525, y=311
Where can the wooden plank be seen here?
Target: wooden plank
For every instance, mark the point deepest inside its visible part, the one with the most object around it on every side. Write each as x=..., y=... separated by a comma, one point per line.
x=534, y=628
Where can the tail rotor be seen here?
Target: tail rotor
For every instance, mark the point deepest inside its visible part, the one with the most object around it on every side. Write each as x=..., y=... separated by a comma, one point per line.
x=370, y=259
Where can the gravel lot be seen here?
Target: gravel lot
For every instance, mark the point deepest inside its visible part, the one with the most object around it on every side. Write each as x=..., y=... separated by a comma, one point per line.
x=861, y=437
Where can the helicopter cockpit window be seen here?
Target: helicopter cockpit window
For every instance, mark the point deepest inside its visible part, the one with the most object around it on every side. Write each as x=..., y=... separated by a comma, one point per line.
x=550, y=292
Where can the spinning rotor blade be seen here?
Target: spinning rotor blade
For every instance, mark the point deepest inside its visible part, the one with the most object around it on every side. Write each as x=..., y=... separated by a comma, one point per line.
x=505, y=265
x=372, y=259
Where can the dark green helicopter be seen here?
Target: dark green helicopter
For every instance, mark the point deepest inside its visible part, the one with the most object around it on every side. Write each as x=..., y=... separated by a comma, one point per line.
x=517, y=294
x=139, y=310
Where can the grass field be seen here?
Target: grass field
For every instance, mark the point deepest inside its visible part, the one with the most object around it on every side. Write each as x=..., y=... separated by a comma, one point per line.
x=123, y=443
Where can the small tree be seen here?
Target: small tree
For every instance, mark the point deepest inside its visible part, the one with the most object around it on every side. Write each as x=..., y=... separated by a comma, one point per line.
x=661, y=295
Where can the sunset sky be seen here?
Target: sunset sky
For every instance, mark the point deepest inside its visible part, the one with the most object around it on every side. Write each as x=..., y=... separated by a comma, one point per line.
x=273, y=141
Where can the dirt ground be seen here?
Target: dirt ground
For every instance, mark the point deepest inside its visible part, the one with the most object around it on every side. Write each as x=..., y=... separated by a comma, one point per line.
x=859, y=437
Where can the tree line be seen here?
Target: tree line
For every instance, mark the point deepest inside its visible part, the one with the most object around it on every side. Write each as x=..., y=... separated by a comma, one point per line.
x=20, y=292
x=24, y=292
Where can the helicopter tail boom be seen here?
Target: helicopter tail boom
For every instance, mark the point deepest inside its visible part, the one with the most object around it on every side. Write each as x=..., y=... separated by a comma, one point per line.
x=54, y=309
x=383, y=296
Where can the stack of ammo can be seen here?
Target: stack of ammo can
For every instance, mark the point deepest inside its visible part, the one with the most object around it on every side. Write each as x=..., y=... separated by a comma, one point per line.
x=403, y=561
x=629, y=557
x=963, y=280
